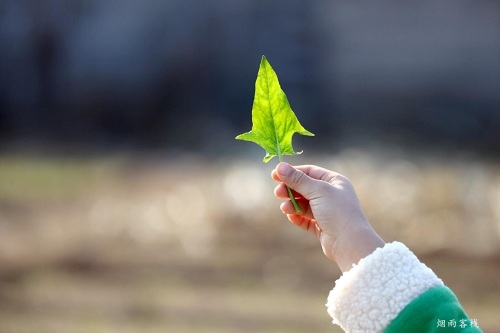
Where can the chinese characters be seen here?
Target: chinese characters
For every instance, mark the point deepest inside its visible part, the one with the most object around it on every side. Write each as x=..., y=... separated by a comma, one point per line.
x=461, y=323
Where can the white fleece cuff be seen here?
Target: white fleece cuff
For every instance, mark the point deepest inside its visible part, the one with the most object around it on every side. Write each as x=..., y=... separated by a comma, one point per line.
x=372, y=293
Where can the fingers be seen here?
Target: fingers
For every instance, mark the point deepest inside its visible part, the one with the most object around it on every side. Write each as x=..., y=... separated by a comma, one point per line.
x=312, y=171
x=274, y=176
x=305, y=224
x=288, y=209
x=317, y=172
x=282, y=193
x=296, y=179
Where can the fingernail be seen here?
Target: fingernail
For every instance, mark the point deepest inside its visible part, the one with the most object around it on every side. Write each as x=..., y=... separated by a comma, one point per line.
x=284, y=169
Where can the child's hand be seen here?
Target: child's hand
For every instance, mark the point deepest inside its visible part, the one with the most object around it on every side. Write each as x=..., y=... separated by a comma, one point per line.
x=330, y=210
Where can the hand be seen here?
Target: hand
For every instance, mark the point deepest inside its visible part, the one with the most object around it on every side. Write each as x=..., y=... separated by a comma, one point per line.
x=330, y=210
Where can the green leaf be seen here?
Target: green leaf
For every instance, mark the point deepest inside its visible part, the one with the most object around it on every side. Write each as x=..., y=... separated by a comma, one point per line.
x=273, y=121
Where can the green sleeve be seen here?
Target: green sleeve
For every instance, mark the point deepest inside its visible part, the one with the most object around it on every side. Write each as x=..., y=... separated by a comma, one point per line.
x=435, y=311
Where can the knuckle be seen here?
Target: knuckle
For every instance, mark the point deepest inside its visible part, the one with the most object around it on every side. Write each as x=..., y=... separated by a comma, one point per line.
x=298, y=178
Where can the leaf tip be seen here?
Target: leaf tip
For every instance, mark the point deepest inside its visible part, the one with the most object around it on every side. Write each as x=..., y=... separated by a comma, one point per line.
x=308, y=133
x=264, y=61
x=242, y=136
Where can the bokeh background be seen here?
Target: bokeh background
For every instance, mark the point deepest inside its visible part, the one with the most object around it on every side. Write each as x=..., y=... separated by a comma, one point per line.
x=126, y=205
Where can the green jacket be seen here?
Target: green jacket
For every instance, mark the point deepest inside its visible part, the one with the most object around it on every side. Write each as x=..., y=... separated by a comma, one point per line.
x=392, y=291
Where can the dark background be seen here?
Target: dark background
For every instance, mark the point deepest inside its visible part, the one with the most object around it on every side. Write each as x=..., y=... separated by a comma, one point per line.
x=180, y=74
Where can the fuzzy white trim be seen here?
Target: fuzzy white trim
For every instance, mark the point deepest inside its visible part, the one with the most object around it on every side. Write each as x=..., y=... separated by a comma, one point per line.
x=372, y=293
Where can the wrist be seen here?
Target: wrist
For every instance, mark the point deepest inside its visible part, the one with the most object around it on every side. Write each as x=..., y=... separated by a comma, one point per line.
x=360, y=242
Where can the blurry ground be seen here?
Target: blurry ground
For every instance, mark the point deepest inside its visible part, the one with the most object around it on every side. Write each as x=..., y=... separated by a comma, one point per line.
x=143, y=244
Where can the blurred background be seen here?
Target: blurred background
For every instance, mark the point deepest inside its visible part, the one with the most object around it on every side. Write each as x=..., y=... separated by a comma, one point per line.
x=127, y=205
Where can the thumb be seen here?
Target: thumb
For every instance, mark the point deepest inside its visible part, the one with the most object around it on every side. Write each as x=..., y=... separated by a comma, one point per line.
x=297, y=180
